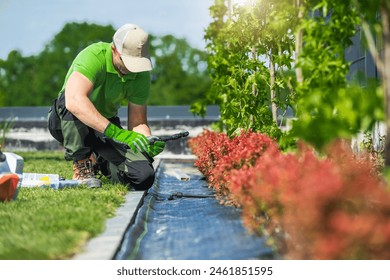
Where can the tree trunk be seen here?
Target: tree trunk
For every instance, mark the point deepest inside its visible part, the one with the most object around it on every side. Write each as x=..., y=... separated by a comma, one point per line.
x=385, y=18
x=274, y=108
x=299, y=41
x=254, y=85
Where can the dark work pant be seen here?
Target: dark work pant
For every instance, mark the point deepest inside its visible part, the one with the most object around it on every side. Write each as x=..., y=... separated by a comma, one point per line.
x=116, y=160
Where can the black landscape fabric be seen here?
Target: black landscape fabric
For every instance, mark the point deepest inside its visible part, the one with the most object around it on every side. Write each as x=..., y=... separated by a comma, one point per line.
x=182, y=220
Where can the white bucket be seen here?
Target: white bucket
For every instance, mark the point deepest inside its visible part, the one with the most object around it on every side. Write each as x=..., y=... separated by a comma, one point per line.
x=13, y=164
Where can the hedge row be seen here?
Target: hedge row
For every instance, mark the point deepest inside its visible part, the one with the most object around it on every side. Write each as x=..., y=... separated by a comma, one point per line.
x=330, y=206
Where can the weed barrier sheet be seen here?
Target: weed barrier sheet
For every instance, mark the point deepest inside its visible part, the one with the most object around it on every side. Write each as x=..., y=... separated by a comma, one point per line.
x=182, y=220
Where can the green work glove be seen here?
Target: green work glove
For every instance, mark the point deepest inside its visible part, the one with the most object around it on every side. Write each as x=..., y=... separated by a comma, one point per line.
x=155, y=147
x=136, y=141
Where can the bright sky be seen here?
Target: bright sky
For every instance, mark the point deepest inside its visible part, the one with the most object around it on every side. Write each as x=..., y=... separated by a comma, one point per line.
x=27, y=25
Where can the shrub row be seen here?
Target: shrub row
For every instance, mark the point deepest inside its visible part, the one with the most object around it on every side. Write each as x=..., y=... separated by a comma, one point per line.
x=311, y=206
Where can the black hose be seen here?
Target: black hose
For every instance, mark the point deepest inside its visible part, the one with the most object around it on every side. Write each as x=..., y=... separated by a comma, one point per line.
x=181, y=195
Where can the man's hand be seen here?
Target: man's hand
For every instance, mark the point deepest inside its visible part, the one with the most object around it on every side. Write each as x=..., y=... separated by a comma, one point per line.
x=156, y=146
x=136, y=141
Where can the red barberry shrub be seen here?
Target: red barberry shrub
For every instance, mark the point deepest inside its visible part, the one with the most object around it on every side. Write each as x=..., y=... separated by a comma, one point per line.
x=218, y=155
x=209, y=147
x=355, y=215
x=255, y=188
x=244, y=150
x=304, y=194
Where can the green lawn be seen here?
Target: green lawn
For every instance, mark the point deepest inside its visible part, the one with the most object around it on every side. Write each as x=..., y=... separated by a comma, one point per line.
x=43, y=223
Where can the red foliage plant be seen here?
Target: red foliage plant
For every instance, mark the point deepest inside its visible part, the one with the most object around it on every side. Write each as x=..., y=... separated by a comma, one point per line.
x=244, y=149
x=329, y=207
x=356, y=214
x=218, y=155
x=209, y=147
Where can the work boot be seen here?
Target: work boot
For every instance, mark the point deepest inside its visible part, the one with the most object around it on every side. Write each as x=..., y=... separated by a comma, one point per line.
x=83, y=170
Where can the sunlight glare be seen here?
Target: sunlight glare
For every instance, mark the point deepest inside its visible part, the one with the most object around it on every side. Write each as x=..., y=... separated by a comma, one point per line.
x=240, y=2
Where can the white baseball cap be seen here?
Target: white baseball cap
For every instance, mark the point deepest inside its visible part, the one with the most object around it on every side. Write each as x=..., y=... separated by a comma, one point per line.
x=132, y=43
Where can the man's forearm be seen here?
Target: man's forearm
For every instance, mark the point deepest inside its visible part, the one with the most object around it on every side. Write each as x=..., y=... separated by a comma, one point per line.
x=83, y=109
x=137, y=119
x=78, y=103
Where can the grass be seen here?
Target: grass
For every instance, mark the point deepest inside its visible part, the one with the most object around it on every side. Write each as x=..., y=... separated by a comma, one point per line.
x=47, y=224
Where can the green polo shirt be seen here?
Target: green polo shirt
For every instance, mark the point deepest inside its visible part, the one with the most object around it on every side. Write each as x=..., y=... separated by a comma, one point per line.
x=95, y=63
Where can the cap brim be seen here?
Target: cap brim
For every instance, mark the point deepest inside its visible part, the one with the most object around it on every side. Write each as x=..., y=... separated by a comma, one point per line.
x=137, y=64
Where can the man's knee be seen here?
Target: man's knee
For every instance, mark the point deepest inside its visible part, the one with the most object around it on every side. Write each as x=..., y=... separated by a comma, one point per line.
x=145, y=178
x=139, y=174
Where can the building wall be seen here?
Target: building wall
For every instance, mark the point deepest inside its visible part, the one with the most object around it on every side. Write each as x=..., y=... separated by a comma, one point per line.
x=362, y=63
x=362, y=69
